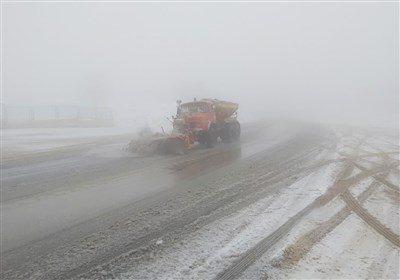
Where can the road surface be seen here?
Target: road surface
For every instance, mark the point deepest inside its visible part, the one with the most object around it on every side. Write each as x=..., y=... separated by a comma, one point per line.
x=289, y=201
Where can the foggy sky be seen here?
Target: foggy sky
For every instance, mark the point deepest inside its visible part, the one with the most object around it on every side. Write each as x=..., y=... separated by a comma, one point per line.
x=334, y=62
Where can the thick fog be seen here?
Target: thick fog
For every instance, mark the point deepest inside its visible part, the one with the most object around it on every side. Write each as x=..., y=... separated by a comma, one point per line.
x=326, y=62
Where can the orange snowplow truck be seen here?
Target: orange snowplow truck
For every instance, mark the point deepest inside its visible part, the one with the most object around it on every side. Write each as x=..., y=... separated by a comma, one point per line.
x=205, y=120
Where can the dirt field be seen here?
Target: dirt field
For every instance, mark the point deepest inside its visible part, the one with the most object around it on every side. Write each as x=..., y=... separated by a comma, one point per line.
x=290, y=201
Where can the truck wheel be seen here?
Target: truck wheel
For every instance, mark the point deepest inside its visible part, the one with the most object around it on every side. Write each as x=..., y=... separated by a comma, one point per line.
x=226, y=135
x=235, y=129
x=212, y=137
x=231, y=133
x=202, y=140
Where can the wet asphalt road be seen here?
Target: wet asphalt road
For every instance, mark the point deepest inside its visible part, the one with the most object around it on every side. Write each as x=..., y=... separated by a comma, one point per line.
x=66, y=212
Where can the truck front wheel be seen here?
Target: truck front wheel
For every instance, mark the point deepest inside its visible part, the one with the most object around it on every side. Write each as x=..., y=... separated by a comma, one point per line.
x=235, y=131
x=231, y=133
x=211, y=137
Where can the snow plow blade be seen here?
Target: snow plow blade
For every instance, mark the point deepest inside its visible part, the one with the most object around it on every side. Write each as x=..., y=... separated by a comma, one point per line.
x=169, y=145
x=150, y=144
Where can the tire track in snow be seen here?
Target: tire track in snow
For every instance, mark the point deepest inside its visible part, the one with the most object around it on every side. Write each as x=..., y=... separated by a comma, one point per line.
x=261, y=247
x=296, y=251
x=341, y=185
x=305, y=243
x=354, y=206
x=379, y=178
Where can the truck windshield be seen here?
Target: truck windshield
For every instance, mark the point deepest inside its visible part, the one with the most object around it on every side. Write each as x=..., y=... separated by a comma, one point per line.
x=197, y=107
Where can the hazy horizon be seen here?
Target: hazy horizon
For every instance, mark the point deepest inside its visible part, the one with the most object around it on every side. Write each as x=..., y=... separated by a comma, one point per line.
x=326, y=62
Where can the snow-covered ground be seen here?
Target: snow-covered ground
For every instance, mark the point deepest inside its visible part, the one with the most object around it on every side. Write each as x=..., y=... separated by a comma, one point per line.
x=351, y=251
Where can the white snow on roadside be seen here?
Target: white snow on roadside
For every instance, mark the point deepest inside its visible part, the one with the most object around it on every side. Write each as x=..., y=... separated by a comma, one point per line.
x=347, y=150
x=394, y=156
x=394, y=178
x=374, y=161
x=386, y=142
x=264, y=267
x=43, y=139
x=354, y=172
x=361, y=186
x=366, y=164
x=178, y=261
x=382, y=207
x=203, y=254
x=369, y=148
x=348, y=252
